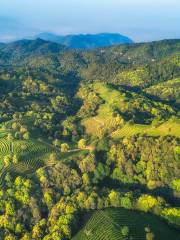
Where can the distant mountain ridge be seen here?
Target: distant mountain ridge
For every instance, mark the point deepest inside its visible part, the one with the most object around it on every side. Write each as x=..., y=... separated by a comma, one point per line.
x=86, y=41
x=2, y=45
x=31, y=48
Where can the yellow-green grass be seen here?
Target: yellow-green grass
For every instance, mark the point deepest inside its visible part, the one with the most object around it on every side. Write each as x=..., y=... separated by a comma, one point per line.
x=104, y=116
x=167, y=128
x=107, y=224
x=104, y=120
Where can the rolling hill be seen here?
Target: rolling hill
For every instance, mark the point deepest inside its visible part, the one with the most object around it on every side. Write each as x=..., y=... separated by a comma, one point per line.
x=28, y=48
x=120, y=105
x=89, y=141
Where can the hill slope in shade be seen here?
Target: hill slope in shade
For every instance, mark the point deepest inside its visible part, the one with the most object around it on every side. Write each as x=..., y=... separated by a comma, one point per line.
x=23, y=48
x=107, y=224
x=87, y=41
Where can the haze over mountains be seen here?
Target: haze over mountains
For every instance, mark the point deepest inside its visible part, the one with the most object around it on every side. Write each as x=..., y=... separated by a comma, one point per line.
x=83, y=41
x=86, y=41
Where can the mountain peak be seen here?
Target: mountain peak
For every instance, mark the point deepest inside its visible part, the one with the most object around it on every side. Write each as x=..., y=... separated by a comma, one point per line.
x=86, y=41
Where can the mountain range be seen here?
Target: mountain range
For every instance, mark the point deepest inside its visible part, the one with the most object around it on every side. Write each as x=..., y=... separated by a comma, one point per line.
x=86, y=41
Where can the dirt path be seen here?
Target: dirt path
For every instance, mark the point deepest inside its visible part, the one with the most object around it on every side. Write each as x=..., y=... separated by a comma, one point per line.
x=99, y=121
x=90, y=148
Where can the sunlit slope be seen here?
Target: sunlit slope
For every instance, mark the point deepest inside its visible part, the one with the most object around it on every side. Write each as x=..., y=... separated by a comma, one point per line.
x=114, y=100
x=169, y=90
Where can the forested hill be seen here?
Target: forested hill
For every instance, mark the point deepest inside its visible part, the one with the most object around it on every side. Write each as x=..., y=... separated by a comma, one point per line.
x=89, y=141
x=87, y=41
x=131, y=65
x=125, y=53
x=29, y=48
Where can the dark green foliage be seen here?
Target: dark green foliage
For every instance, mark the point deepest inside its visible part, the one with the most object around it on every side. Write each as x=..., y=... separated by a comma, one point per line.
x=109, y=224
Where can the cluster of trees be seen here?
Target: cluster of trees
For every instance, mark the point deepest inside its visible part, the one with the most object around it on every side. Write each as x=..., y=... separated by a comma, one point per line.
x=168, y=90
x=10, y=159
x=91, y=101
x=20, y=131
x=149, y=161
x=49, y=205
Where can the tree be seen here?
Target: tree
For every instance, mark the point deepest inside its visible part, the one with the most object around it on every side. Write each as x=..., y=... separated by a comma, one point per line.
x=53, y=158
x=115, y=198
x=15, y=126
x=125, y=231
x=149, y=234
x=82, y=143
x=15, y=159
x=57, y=143
x=48, y=199
x=146, y=202
x=10, y=237
x=126, y=201
x=64, y=147
x=86, y=179
x=19, y=228
x=7, y=160
x=26, y=136
x=88, y=164
x=37, y=232
x=10, y=210
x=26, y=236
x=172, y=215
x=176, y=184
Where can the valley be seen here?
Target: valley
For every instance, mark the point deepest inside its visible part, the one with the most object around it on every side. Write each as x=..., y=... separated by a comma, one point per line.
x=89, y=141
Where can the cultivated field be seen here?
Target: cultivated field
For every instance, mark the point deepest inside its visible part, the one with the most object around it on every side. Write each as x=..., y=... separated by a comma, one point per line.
x=107, y=225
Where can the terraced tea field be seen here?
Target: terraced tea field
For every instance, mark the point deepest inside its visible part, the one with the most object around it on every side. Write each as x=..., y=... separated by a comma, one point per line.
x=107, y=224
x=31, y=154
x=167, y=128
x=105, y=121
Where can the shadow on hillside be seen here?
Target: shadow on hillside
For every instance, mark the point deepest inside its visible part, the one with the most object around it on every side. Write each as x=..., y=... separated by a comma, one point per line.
x=164, y=192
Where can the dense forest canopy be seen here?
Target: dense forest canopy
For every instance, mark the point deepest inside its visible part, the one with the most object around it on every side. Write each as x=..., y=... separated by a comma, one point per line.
x=87, y=136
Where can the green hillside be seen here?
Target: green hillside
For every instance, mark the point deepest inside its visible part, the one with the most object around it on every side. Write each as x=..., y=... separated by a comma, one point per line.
x=121, y=105
x=89, y=141
x=168, y=90
x=109, y=224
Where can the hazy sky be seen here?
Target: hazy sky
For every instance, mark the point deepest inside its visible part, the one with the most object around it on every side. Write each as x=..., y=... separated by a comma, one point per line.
x=142, y=20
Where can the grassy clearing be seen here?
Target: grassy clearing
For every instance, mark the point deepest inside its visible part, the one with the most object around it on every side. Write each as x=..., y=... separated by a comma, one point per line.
x=107, y=224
